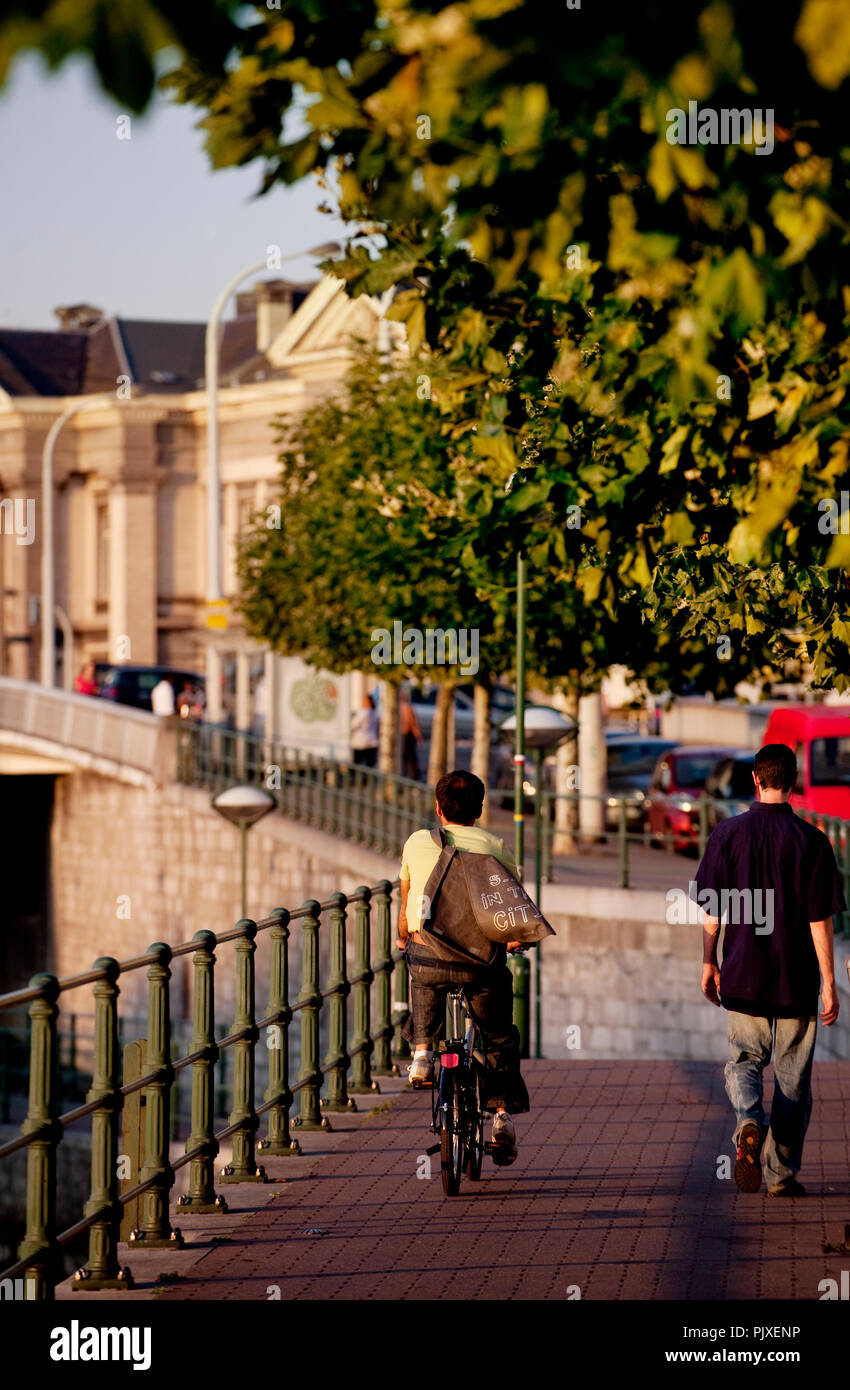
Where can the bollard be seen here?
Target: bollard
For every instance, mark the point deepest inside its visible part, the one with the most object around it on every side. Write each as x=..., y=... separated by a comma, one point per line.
x=361, y=1042
x=279, y=1142
x=42, y=1114
x=337, y=1060
x=243, y=1166
x=382, y=966
x=310, y=1001
x=201, y=1196
x=103, y=1270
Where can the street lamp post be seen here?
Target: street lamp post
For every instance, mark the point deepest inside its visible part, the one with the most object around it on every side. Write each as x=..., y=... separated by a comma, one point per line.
x=214, y=593
x=542, y=730
x=243, y=807
x=48, y=573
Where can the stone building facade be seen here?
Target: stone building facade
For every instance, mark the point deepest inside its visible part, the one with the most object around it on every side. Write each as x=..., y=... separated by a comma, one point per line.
x=130, y=470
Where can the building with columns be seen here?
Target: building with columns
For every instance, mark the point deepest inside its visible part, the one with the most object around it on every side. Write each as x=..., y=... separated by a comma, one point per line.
x=129, y=477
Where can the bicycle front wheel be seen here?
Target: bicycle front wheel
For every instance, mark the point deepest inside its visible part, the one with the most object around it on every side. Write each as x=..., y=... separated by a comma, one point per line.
x=451, y=1133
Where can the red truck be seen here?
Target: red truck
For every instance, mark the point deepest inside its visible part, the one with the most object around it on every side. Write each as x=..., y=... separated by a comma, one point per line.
x=820, y=737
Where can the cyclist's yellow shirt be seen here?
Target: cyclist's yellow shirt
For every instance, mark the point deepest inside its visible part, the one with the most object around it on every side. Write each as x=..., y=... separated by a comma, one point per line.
x=420, y=854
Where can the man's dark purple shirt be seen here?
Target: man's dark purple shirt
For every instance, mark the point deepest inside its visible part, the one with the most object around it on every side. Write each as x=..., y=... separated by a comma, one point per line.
x=771, y=974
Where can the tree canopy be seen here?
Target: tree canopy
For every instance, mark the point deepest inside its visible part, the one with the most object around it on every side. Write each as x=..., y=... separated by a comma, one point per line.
x=651, y=331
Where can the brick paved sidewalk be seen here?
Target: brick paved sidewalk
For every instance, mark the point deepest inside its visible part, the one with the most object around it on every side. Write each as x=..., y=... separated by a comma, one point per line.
x=615, y=1191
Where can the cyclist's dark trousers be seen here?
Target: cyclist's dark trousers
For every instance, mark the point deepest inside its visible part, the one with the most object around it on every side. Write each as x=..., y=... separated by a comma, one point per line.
x=489, y=993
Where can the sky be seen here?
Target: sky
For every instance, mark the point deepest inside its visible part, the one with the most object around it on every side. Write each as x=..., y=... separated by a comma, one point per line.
x=140, y=227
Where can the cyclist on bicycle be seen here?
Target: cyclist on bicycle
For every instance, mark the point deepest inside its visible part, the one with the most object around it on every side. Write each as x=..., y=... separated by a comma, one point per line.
x=488, y=989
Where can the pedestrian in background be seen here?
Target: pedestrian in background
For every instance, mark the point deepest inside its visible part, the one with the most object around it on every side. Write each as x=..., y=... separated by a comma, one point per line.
x=365, y=733
x=411, y=737
x=85, y=684
x=162, y=698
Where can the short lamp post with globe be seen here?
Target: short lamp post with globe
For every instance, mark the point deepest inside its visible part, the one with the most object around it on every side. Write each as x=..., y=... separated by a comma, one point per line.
x=243, y=807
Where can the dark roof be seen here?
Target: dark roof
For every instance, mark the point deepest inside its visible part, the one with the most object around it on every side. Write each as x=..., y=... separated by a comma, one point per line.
x=34, y=363
x=162, y=356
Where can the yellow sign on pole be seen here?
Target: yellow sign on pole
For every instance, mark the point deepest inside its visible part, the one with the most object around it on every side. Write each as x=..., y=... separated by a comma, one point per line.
x=217, y=613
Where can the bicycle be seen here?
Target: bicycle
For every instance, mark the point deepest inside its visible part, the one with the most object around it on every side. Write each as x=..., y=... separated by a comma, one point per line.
x=456, y=1111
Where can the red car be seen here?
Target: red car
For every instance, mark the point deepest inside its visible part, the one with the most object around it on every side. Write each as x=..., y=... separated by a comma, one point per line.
x=672, y=802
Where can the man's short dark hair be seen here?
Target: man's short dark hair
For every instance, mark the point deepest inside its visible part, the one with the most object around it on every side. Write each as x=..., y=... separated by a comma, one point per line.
x=776, y=767
x=460, y=797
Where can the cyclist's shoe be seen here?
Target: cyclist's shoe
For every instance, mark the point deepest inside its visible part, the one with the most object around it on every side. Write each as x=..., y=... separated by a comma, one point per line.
x=748, y=1158
x=421, y=1071
x=502, y=1145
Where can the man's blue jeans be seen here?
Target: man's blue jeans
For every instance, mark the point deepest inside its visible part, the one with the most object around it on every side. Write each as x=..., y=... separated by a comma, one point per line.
x=792, y=1042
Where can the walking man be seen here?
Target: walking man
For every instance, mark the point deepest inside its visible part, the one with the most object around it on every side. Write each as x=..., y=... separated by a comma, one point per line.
x=772, y=879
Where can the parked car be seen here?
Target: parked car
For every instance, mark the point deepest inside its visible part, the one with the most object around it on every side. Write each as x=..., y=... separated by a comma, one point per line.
x=132, y=685
x=820, y=737
x=632, y=759
x=424, y=703
x=502, y=701
x=729, y=787
x=678, y=782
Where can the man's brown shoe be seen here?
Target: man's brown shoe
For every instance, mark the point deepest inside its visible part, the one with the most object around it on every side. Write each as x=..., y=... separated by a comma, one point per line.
x=791, y=1188
x=748, y=1158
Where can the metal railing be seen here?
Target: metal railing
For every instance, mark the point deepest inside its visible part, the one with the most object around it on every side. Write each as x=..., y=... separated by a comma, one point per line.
x=375, y=809
x=374, y=1046
x=623, y=824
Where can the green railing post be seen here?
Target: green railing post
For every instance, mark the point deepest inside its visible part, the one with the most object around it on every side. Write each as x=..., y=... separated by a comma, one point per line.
x=42, y=1116
x=521, y=970
x=103, y=1270
x=361, y=1042
x=243, y=1165
x=310, y=999
x=156, y=1230
x=201, y=1196
x=702, y=807
x=401, y=1006
x=279, y=1142
x=383, y=967
x=624, y=842
x=337, y=1060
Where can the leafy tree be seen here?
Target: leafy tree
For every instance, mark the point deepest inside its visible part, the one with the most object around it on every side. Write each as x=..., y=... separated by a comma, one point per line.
x=651, y=331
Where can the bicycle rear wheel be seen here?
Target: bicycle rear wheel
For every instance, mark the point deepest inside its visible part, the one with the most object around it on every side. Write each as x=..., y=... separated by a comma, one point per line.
x=451, y=1133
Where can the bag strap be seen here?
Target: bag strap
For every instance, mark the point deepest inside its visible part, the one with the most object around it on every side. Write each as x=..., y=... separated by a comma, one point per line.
x=447, y=854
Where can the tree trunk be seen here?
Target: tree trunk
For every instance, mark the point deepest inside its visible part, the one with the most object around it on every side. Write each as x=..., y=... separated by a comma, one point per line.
x=439, y=732
x=566, y=780
x=481, y=740
x=388, y=747
x=593, y=767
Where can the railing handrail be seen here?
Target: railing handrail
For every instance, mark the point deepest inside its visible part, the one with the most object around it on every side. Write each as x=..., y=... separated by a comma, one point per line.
x=23, y=996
